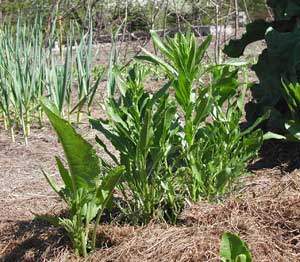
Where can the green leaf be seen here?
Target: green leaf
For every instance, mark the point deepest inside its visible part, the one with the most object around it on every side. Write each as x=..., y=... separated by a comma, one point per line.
x=65, y=176
x=254, y=31
x=107, y=186
x=52, y=183
x=160, y=45
x=270, y=135
x=159, y=94
x=157, y=61
x=233, y=248
x=104, y=147
x=82, y=158
x=203, y=48
x=146, y=132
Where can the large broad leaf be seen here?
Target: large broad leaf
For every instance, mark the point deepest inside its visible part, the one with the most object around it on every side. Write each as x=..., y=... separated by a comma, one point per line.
x=254, y=31
x=234, y=249
x=82, y=158
x=284, y=9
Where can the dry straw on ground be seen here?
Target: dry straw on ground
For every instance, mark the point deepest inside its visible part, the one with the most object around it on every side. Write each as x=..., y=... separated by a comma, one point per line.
x=266, y=215
x=264, y=211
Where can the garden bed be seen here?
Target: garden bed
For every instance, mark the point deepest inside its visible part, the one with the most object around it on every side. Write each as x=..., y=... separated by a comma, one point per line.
x=264, y=210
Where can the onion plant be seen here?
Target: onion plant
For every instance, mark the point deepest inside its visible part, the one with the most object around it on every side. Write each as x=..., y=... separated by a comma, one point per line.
x=87, y=86
x=87, y=187
x=23, y=73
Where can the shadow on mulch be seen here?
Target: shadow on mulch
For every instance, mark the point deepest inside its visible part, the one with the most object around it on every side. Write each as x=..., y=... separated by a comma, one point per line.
x=36, y=240
x=32, y=241
x=280, y=154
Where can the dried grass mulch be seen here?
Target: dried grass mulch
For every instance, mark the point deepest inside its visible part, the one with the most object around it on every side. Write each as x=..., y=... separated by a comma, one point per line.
x=266, y=213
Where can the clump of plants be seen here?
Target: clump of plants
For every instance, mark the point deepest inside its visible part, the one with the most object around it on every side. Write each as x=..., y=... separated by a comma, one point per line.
x=174, y=147
x=32, y=68
x=87, y=187
x=280, y=59
x=180, y=142
x=211, y=155
x=143, y=129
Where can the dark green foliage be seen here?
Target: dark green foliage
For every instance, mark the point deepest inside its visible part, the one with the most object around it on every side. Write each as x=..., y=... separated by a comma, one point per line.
x=280, y=59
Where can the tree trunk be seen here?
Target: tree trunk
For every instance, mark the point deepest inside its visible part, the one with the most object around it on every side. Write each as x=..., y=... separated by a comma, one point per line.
x=236, y=6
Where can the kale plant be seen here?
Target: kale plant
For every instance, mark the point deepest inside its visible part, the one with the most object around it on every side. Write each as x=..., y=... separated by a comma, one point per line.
x=280, y=59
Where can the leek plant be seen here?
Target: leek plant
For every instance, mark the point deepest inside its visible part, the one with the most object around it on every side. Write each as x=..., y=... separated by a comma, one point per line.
x=86, y=88
x=22, y=64
x=87, y=187
x=60, y=81
x=29, y=70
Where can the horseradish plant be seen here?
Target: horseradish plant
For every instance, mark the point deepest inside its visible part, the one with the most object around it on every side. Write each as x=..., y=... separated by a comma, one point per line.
x=233, y=249
x=87, y=187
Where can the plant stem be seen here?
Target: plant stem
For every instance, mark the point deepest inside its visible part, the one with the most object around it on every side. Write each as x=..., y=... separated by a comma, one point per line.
x=95, y=229
x=78, y=117
x=12, y=133
x=69, y=114
x=4, y=121
x=24, y=130
x=83, y=243
x=40, y=117
x=27, y=123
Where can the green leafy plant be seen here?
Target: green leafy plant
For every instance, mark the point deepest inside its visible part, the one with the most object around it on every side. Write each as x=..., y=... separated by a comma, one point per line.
x=59, y=82
x=141, y=127
x=233, y=249
x=85, y=188
x=279, y=59
x=211, y=155
x=221, y=152
x=22, y=66
x=31, y=67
